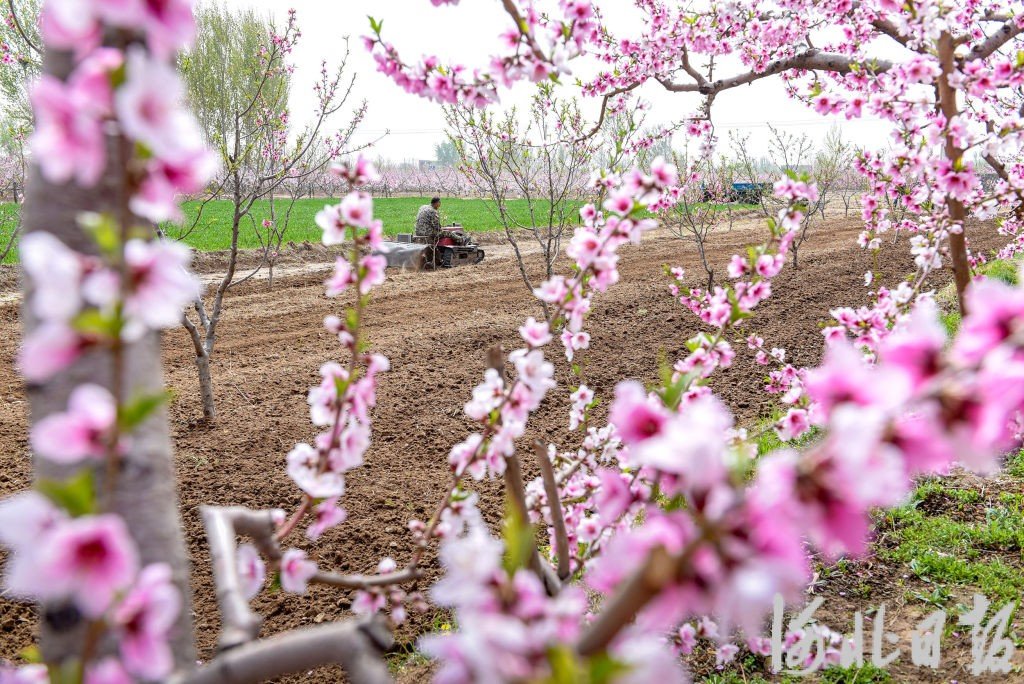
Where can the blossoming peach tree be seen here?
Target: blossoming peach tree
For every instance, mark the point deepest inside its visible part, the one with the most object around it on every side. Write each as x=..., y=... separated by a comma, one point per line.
x=663, y=526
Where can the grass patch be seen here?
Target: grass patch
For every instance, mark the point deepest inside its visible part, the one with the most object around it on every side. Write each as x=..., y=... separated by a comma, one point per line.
x=404, y=659
x=1015, y=465
x=866, y=674
x=1001, y=269
x=397, y=213
x=983, y=551
x=768, y=440
x=951, y=321
x=213, y=232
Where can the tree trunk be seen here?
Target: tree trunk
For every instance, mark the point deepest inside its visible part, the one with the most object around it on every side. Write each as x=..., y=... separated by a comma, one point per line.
x=206, y=386
x=957, y=214
x=145, y=493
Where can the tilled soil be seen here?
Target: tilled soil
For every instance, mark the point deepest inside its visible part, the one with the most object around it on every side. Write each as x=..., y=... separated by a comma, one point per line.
x=436, y=329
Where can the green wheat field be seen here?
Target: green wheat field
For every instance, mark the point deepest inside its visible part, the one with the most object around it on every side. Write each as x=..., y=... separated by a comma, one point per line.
x=213, y=230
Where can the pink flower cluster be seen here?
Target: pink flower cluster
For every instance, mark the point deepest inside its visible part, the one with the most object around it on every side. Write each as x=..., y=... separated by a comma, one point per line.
x=139, y=91
x=537, y=49
x=75, y=25
x=342, y=402
x=504, y=407
x=730, y=305
x=921, y=406
x=92, y=562
x=867, y=326
x=81, y=302
x=507, y=622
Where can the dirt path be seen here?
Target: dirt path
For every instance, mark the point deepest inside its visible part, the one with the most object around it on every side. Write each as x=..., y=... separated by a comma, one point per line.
x=435, y=328
x=298, y=262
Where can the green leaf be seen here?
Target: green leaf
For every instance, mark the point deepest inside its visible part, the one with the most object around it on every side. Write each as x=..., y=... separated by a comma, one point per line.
x=68, y=672
x=564, y=667
x=103, y=230
x=676, y=503
x=518, y=535
x=118, y=76
x=93, y=322
x=460, y=495
x=131, y=414
x=31, y=655
x=77, y=495
x=375, y=25
x=604, y=669
x=143, y=151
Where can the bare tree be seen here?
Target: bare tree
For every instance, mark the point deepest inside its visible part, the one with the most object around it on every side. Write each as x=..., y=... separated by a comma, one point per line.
x=13, y=166
x=20, y=36
x=22, y=64
x=753, y=169
x=697, y=211
x=795, y=156
x=542, y=162
x=298, y=181
x=849, y=187
x=830, y=167
x=251, y=128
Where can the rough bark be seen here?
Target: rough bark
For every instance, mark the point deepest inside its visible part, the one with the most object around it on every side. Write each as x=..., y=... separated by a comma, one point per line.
x=145, y=492
x=202, y=360
x=206, y=386
x=555, y=507
x=357, y=647
x=957, y=214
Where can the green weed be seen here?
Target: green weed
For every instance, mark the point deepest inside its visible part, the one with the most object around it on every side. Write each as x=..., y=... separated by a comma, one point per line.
x=981, y=554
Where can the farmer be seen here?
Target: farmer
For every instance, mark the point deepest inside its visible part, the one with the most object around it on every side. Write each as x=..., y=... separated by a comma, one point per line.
x=428, y=220
x=428, y=225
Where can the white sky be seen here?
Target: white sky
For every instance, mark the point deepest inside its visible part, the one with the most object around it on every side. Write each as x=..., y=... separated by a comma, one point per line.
x=468, y=33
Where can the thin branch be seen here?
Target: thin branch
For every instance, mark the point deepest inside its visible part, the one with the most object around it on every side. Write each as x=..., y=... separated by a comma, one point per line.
x=357, y=647
x=635, y=592
x=1001, y=37
x=240, y=624
x=11, y=242
x=213, y=194
x=811, y=60
x=517, y=495
x=555, y=509
x=688, y=68
x=193, y=334
x=21, y=31
x=366, y=581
